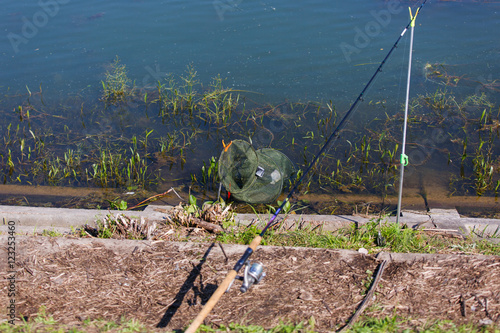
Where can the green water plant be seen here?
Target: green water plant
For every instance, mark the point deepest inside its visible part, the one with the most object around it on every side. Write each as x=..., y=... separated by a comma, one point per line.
x=218, y=102
x=116, y=85
x=186, y=98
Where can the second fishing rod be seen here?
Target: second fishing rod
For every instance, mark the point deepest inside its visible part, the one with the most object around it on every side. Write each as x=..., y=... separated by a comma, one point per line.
x=244, y=260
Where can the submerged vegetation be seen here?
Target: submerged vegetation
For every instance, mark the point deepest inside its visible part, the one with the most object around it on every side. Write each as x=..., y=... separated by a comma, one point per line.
x=143, y=138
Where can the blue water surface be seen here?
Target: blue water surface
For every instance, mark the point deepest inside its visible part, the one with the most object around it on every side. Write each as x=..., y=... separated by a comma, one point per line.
x=276, y=49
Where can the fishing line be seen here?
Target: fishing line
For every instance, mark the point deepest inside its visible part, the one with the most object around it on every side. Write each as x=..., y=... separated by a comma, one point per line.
x=340, y=126
x=317, y=161
x=243, y=261
x=401, y=72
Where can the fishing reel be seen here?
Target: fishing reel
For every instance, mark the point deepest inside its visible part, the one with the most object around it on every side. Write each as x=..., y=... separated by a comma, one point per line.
x=253, y=274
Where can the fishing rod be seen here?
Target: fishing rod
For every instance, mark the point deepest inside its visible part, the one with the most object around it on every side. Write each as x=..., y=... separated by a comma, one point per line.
x=254, y=273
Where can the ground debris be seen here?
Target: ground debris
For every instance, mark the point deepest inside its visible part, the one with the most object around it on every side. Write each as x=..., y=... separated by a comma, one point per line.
x=210, y=217
x=165, y=284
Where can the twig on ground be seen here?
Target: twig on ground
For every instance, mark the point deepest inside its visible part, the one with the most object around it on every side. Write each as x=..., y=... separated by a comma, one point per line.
x=216, y=229
x=223, y=252
x=368, y=297
x=154, y=198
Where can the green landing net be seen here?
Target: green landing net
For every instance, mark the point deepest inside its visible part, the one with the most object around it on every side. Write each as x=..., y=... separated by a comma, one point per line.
x=253, y=176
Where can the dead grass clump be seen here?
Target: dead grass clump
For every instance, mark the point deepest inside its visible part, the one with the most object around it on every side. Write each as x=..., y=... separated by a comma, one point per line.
x=123, y=227
x=211, y=216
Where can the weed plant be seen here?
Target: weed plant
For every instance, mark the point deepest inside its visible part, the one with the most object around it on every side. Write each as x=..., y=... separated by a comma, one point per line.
x=189, y=100
x=398, y=324
x=302, y=327
x=116, y=85
x=44, y=322
x=121, y=227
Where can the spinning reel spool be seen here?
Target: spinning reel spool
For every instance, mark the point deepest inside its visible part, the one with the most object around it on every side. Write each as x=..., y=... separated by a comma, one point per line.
x=253, y=274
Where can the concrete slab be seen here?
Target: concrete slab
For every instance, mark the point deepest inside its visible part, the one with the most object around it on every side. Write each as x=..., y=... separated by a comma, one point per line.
x=425, y=257
x=447, y=219
x=35, y=219
x=64, y=217
x=482, y=227
x=48, y=245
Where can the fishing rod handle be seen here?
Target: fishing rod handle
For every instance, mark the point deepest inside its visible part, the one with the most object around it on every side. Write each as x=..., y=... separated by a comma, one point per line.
x=218, y=293
x=255, y=242
x=211, y=302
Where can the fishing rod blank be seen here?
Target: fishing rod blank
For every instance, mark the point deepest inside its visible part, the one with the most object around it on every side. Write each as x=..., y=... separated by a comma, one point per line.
x=340, y=126
x=256, y=241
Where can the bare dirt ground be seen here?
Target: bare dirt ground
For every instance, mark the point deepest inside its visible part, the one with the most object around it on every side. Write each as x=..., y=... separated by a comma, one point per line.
x=165, y=284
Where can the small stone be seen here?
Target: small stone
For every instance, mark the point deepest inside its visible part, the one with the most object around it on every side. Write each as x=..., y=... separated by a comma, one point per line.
x=363, y=250
x=305, y=295
x=485, y=322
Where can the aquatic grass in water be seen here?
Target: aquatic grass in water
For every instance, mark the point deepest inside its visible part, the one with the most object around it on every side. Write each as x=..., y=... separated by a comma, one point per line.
x=370, y=166
x=116, y=86
x=465, y=130
x=42, y=145
x=214, y=105
x=107, y=166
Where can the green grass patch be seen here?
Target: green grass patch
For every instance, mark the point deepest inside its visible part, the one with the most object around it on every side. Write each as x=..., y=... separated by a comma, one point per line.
x=397, y=324
x=44, y=322
x=52, y=233
x=302, y=327
x=398, y=238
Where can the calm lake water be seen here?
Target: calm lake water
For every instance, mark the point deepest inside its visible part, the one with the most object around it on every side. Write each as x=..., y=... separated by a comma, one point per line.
x=274, y=51
x=297, y=50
